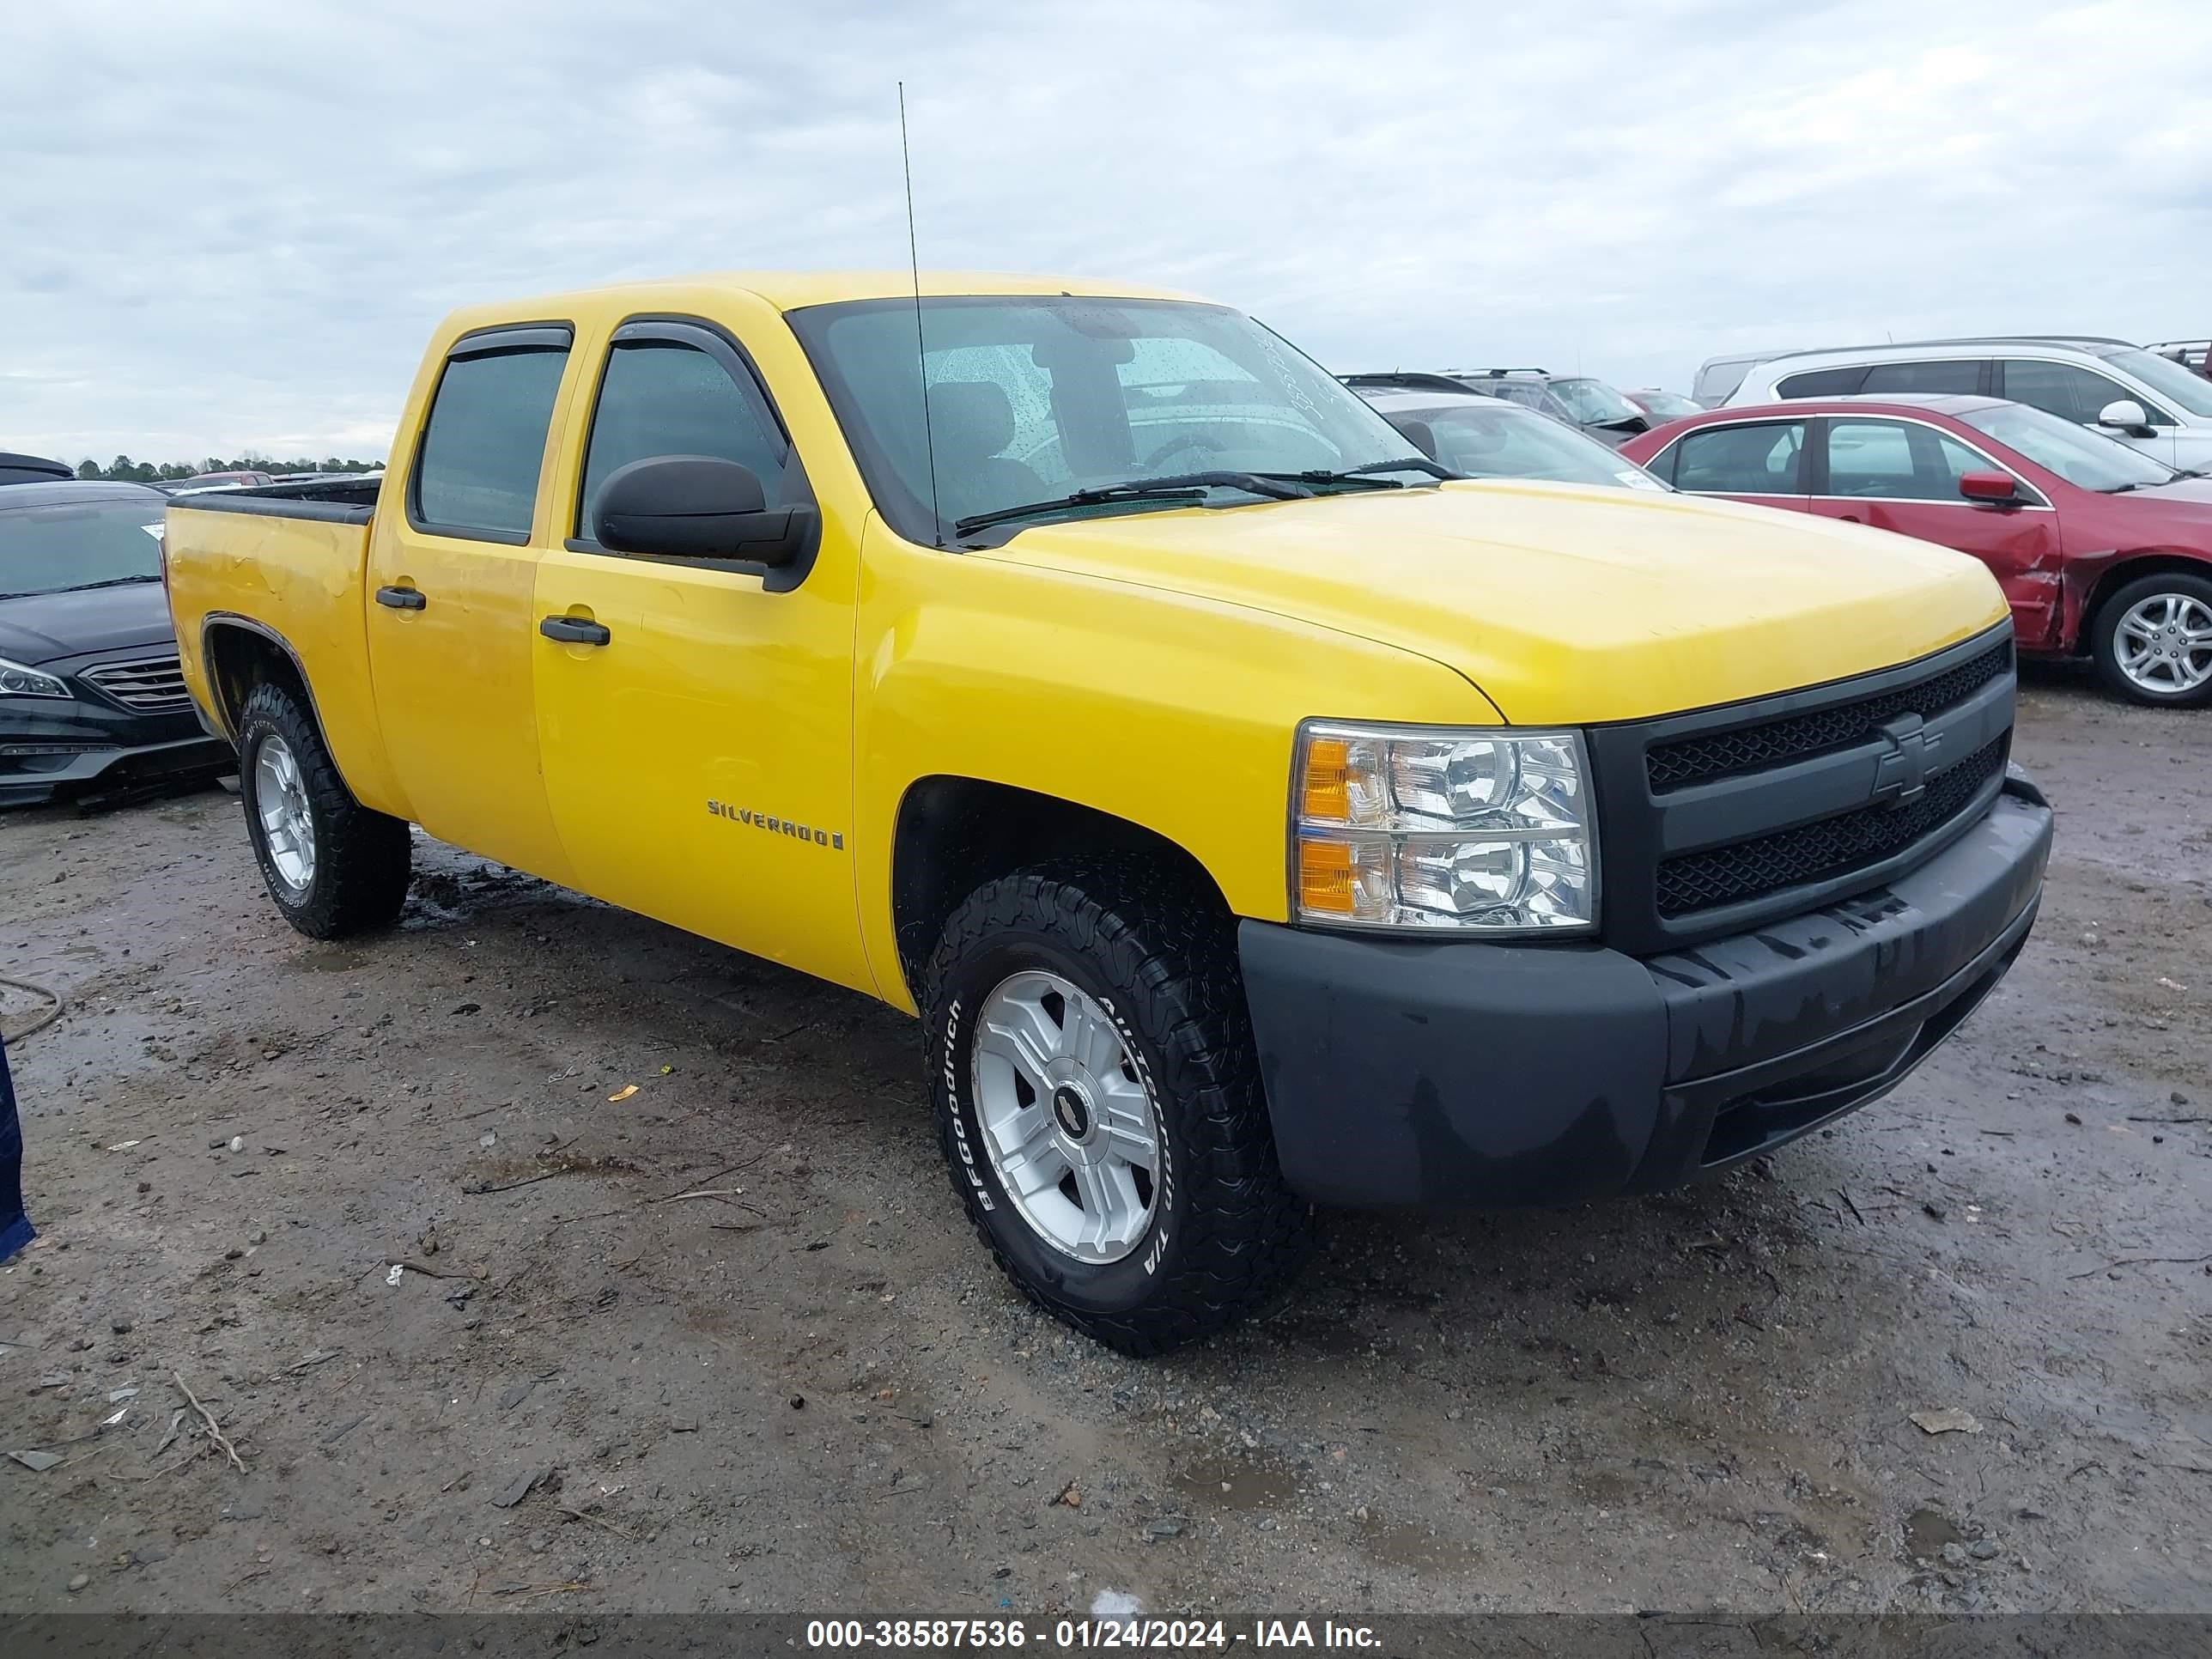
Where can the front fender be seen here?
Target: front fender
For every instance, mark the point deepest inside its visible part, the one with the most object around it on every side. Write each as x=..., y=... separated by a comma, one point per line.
x=1173, y=713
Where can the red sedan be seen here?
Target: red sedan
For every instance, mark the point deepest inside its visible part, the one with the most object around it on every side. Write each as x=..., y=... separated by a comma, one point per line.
x=2099, y=549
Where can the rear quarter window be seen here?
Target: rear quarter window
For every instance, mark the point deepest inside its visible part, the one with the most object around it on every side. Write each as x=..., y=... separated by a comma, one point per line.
x=1957, y=375
x=1823, y=382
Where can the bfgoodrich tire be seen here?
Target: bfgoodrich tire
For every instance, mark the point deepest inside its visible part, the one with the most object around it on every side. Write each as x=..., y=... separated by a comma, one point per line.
x=333, y=867
x=1099, y=1097
x=2153, y=640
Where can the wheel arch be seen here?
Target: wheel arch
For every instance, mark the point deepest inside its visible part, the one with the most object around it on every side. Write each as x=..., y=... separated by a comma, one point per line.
x=953, y=832
x=239, y=654
x=2124, y=569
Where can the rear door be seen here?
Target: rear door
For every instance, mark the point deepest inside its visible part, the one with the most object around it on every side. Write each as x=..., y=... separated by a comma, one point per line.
x=451, y=630
x=699, y=755
x=1903, y=475
x=1757, y=461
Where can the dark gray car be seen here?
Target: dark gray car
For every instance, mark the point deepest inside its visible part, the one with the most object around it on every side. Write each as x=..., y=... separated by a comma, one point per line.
x=92, y=697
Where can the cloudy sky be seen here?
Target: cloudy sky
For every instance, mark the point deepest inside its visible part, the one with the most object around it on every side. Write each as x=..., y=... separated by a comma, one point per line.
x=230, y=223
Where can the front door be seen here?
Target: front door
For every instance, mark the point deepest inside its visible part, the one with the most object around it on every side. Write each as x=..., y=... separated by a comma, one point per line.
x=1903, y=475
x=451, y=630
x=698, y=734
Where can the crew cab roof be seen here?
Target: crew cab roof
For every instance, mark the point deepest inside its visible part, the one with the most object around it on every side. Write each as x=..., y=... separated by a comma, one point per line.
x=794, y=290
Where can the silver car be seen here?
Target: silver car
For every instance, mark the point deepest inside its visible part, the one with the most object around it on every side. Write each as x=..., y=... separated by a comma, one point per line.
x=2146, y=401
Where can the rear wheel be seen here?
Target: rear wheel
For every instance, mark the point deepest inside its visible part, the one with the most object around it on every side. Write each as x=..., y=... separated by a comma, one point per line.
x=1098, y=1097
x=2154, y=639
x=333, y=867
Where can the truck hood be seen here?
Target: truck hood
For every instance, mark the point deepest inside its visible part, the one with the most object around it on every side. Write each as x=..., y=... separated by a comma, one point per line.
x=1561, y=604
x=40, y=628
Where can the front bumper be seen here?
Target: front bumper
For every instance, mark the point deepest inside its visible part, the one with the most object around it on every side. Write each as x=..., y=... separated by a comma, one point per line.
x=81, y=747
x=1494, y=1076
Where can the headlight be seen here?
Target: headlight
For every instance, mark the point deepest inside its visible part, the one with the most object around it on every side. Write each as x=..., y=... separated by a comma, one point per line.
x=1421, y=827
x=17, y=681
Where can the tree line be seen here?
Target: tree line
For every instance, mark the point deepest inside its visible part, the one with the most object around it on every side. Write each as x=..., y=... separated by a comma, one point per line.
x=123, y=469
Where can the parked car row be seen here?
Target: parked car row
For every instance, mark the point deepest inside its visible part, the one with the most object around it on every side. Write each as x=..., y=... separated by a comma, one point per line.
x=2071, y=464
x=2098, y=548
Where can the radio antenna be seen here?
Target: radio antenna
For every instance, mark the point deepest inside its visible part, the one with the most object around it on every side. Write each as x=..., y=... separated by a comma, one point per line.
x=921, y=351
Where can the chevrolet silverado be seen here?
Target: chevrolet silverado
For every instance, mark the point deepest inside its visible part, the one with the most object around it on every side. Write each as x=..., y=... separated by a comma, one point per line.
x=1258, y=815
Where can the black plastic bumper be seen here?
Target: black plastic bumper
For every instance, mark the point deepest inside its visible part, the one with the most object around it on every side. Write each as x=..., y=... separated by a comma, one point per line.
x=1490, y=1076
x=52, y=749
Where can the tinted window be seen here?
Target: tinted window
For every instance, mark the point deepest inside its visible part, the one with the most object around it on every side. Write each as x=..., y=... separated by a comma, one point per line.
x=2060, y=389
x=662, y=398
x=484, y=440
x=1897, y=460
x=1960, y=374
x=1823, y=382
x=1741, y=460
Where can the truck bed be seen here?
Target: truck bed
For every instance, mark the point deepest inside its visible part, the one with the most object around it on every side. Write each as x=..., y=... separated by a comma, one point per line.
x=334, y=501
x=284, y=564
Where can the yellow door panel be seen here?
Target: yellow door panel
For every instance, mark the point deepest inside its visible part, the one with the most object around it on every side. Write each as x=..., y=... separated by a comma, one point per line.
x=700, y=762
x=454, y=690
x=452, y=579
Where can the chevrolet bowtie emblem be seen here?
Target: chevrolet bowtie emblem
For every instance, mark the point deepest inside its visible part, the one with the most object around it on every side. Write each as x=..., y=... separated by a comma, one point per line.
x=1901, y=775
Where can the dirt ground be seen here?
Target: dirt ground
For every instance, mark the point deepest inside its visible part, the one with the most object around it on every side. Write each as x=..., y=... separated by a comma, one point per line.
x=726, y=1341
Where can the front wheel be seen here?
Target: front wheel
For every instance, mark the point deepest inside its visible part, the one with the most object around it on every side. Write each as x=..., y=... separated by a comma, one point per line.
x=2153, y=640
x=333, y=867
x=1098, y=1097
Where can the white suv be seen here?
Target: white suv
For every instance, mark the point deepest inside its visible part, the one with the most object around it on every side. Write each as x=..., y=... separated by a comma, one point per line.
x=2148, y=402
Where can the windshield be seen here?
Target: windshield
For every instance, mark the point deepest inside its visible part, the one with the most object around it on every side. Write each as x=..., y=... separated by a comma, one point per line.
x=1594, y=401
x=1032, y=398
x=52, y=549
x=2167, y=378
x=2074, y=452
x=1490, y=439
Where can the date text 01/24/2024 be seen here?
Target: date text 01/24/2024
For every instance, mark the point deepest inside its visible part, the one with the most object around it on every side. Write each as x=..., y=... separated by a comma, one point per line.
x=1083, y=1634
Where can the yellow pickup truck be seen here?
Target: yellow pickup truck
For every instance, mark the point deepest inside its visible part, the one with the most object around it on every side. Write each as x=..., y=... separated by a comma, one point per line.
x=1257, y=815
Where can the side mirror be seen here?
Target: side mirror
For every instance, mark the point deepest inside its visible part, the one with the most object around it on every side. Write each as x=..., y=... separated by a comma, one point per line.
x=698, y=507
x=2124, y=413
x=1998, y=488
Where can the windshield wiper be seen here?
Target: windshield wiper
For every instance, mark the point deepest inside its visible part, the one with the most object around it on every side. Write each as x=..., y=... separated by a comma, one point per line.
x=112, y=582
x=2119, y=489
x=1183, y=486
x=2190, y=472
x=1365, y=475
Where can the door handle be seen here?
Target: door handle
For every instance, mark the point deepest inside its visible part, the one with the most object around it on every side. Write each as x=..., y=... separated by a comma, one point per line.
x=574, y=631
x=401, y=598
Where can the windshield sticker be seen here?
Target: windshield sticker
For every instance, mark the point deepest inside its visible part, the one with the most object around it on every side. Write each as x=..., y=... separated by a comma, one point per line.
x=1640, y=481
x=154, y=530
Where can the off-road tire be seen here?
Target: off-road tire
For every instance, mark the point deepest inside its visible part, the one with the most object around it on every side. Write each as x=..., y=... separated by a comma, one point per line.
x=2104, y=641
x=1226, y=1235
x=362, y=857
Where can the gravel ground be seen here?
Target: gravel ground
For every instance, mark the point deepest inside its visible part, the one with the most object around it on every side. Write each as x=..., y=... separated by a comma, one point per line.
x=726, y=1341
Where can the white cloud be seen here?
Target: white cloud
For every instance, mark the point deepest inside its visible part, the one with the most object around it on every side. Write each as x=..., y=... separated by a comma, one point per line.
x=232, y=224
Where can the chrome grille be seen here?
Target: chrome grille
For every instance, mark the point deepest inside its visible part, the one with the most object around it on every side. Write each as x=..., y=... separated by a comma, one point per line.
x=145, y=685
